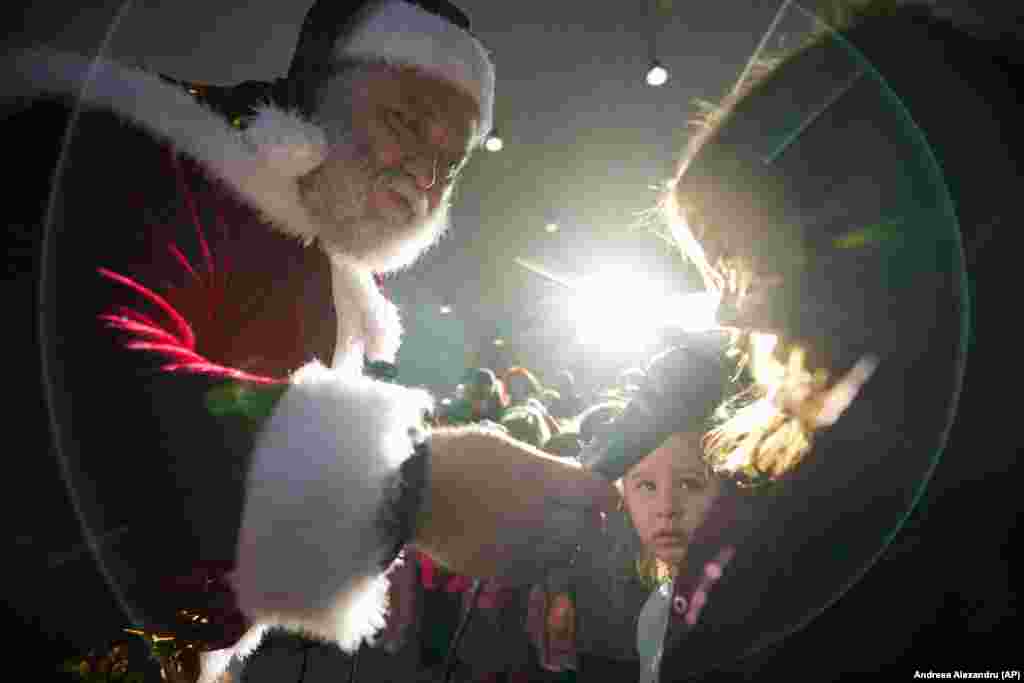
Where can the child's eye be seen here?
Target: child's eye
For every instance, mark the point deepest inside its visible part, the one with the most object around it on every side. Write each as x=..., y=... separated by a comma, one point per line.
x=646, y=485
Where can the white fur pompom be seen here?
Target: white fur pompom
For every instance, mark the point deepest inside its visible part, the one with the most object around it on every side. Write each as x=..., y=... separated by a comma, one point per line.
x=290, y=144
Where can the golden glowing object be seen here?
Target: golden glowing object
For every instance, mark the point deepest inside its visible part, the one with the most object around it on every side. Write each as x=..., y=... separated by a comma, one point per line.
x=772, y=433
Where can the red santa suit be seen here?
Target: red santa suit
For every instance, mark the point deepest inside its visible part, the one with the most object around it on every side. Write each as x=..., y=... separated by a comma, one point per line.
x=205, y=360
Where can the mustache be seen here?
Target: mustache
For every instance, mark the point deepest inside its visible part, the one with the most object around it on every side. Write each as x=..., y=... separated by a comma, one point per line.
x=402, y=183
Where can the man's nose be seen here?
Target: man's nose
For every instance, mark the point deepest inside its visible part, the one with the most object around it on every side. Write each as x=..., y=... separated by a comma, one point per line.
x=423, y=169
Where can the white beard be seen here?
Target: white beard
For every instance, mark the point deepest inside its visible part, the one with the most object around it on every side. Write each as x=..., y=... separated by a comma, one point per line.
x=337, y=196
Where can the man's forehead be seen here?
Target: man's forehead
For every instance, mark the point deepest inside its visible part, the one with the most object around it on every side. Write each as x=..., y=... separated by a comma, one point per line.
x=427, y=93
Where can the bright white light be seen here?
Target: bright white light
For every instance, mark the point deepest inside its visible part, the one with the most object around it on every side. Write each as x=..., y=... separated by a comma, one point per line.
x=499, y=342
x=493, y=143
x=446, y=401
x=658, y=75
x=551, y=227
x=622, y=311
x=693, y=312
x=445, y=310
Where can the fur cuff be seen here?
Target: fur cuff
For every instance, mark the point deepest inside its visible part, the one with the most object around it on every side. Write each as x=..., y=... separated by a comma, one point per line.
x=212, y=665
x=311, y=545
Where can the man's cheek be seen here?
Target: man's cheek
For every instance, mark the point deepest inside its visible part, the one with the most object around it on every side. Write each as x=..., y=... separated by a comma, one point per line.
x=386, y=154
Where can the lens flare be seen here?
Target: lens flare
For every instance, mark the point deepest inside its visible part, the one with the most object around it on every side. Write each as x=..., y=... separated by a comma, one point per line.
x=621, y=311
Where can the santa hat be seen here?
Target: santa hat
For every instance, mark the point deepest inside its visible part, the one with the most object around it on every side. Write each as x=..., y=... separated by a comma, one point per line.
x=432, y=35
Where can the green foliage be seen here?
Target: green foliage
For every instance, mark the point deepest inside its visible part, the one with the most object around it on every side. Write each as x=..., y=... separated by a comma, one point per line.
x=382, y=370
x=253, y=402
x=109, y=669
x=122, y=664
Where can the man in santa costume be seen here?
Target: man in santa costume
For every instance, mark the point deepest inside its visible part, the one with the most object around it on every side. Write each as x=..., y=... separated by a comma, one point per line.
x=219, y=359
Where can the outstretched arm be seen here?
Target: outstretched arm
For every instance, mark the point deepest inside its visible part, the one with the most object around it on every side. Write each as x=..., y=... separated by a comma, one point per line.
x=497, y=507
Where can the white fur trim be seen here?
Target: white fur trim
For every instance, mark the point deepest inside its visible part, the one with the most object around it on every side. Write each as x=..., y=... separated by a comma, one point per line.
x=288, y=143
x=310, y=549
x=367, y=322
x=171, y=114
x=401, y=33
x=212, y=665
x=260, y=165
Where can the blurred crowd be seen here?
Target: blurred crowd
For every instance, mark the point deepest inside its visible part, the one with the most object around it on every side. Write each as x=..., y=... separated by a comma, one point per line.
x=558, y=418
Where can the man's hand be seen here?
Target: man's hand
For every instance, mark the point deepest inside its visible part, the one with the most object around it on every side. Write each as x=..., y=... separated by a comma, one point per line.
x=499, y=508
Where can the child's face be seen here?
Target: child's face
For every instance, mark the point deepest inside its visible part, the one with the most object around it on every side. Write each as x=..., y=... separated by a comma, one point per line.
x=668, y=495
